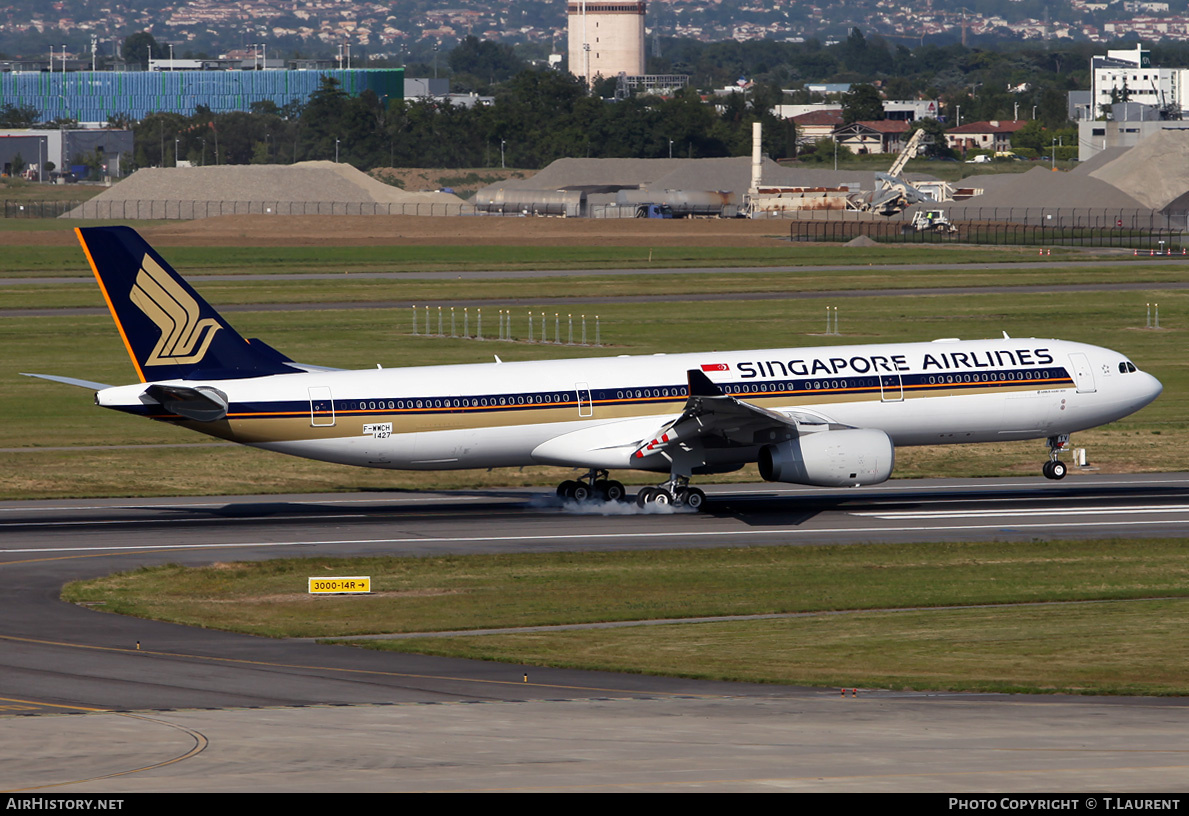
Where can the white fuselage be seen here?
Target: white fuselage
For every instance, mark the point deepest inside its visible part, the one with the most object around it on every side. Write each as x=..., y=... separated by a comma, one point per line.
x=594, y=412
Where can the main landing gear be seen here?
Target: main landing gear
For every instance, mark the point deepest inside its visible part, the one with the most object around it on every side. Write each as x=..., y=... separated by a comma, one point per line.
x=676, y=492
x=594, y=485
x=1055, y=468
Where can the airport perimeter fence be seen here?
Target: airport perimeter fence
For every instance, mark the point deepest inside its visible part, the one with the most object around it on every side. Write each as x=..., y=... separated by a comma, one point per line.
x=38, y=209
x=147, y=209
x=1146, y=240
x=188, y=210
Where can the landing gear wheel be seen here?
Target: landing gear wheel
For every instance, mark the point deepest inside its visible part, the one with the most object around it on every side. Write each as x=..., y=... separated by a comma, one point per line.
x=653, y=495
x=580, y=492
x=693, y=498
x=1055, y=469
x=610, y=490
x=565, y=490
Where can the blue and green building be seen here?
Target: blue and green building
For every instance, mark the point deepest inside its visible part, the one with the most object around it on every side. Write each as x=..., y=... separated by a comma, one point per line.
x=96, y=96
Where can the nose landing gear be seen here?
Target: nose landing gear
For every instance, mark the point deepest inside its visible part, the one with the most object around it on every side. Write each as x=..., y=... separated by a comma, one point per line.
x=1055, y=468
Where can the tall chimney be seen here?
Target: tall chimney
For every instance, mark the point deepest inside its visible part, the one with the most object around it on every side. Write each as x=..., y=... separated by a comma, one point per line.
x=757, y=166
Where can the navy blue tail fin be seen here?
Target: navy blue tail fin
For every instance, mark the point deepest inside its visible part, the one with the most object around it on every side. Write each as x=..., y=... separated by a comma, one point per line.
x=169, y=330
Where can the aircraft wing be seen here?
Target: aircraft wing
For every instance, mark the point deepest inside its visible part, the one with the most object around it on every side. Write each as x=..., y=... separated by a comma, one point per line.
x=711, y=416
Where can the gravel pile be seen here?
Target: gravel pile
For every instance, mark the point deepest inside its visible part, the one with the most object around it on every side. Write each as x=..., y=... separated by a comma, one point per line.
x=1103, y=157
x=305, y=182
x=1042, y=188
x=1155, y=172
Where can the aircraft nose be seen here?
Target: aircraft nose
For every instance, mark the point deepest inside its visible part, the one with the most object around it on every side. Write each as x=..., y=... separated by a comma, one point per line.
x=1153, y=388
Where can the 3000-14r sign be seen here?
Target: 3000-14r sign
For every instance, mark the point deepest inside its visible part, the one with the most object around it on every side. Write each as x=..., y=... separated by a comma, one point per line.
x=337, y=586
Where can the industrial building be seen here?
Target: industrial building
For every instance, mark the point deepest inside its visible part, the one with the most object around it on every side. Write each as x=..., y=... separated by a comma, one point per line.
x=1128, y=76
x=96, y=96
x=1123, y=130
x=606, y=38
x=69, y=150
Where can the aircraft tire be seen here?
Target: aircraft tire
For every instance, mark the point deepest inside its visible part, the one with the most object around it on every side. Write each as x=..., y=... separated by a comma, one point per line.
x=565, y=490
x=693, y=498
x=1057, y=470
x=610, y=490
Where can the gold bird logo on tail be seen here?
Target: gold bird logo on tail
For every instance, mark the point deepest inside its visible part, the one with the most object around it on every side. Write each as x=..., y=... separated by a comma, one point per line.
x=175, y=312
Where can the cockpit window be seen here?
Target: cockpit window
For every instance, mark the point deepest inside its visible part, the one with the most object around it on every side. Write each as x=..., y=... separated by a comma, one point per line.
x=1126, y=367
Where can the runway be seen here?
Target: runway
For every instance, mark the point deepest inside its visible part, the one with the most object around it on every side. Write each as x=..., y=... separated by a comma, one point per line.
x=172, y=708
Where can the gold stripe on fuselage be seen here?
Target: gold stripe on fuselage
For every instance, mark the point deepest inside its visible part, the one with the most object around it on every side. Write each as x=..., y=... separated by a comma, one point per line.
x=255, y=428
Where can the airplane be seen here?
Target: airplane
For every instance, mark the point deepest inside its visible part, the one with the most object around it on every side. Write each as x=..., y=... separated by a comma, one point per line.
x=828, y=416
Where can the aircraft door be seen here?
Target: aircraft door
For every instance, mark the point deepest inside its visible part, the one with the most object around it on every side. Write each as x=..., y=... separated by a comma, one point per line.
x=321, y=407
x=1083, y=374
x=891, y=388
x=585, y=404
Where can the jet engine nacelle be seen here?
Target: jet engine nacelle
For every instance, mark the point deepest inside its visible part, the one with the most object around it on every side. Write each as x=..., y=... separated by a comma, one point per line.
x=845, y=458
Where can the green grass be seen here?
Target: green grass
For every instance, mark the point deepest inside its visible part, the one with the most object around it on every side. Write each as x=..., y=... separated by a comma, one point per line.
x=67, y=261
x=1109, y=648
x=1122, y=646
x=348, y=289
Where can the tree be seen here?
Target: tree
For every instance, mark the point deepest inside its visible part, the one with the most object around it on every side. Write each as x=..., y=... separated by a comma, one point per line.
x=484, y=60
x=933, y=142
x=18, y=116
x=139, y=47
x=862, y=103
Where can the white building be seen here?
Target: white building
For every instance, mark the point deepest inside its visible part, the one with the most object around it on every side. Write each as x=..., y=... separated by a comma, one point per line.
x=1129, y=76
x=606, y=38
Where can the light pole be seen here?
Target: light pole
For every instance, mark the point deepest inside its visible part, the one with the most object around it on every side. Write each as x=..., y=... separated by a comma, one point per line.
x=1034, y=112
x=176, y=142
x=670, y=148
x=336, y=151
x=1054, y=155
x=502, y=143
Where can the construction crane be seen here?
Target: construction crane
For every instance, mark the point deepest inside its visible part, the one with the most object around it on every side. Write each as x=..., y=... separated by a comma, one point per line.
x=893, y=194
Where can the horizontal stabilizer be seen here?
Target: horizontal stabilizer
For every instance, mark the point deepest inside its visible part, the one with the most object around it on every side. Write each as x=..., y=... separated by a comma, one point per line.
x=94, y=386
